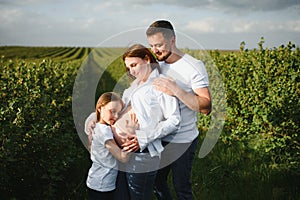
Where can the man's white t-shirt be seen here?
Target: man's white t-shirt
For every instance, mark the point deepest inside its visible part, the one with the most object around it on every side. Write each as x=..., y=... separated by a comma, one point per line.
x=189, y=74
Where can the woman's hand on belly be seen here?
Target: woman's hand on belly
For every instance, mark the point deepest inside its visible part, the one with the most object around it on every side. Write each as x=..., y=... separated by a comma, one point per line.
x=131, y=144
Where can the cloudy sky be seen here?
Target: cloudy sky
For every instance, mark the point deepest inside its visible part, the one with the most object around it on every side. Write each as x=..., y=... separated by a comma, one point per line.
x=211, y=24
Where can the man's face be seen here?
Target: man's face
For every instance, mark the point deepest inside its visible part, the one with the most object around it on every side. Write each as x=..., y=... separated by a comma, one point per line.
x=160, y=46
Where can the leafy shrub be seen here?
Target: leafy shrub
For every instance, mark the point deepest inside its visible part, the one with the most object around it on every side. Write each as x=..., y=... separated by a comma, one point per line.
x=263, y=89
x=257, y=155
x=39, y=144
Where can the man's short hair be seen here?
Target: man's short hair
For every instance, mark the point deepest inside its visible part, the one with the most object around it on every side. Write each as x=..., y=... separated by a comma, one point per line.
x=161, y=26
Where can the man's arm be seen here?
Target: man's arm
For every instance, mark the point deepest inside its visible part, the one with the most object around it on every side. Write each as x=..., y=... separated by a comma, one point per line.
x=200, y=101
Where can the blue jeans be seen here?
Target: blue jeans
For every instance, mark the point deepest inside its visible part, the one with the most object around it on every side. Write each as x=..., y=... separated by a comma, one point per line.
x=95, y=195
x=181, y=171
x=141, y=185
x=141, y=174
x=136, y=178
x=134, y=185
x=121, y=192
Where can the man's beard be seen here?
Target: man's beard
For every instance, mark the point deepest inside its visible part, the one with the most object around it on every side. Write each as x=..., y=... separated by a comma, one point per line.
x=165, y=57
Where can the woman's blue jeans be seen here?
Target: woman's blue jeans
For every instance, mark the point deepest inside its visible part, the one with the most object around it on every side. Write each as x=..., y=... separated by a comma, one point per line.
x=141, y=174
x=141, y=185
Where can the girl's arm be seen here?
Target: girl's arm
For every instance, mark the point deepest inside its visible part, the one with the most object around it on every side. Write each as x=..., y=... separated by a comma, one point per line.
x=114, y=149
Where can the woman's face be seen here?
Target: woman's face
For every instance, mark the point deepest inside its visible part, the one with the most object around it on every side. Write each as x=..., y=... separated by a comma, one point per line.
x=138, y=67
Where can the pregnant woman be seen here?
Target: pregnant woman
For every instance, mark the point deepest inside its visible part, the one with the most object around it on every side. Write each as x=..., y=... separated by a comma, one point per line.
x=156, y=115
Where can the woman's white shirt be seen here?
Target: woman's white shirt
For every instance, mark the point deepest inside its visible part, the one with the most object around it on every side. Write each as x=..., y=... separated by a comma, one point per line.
x=157, y=113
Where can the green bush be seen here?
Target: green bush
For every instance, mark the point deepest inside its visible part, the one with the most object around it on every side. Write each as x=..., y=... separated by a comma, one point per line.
x=263, y=90
x=39, y=143
x=257, y=155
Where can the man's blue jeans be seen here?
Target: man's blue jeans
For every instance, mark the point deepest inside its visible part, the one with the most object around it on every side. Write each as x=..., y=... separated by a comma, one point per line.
x=181, y=171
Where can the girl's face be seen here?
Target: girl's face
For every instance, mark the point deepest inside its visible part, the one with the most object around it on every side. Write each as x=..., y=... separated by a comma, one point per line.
x=110, y=112
x=138, y=67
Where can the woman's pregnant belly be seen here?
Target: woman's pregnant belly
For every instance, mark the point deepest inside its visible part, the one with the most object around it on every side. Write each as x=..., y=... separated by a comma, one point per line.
x=124, y=127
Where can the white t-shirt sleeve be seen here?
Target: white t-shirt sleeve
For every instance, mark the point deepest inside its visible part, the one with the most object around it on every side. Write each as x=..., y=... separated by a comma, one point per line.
x=199, y=78
x=103, y=133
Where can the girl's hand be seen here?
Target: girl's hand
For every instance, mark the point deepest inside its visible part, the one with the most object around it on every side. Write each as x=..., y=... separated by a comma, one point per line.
x=125, y=155
x=91, y=127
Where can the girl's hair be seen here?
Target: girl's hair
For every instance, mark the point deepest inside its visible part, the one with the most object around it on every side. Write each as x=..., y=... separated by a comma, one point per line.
x=104, y=99
x=140, y=51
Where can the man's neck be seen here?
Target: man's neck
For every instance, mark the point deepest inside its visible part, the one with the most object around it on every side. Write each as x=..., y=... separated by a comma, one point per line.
x=175, y=56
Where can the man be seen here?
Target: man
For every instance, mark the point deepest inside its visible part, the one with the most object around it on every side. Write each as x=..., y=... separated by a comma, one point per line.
x=189, y=83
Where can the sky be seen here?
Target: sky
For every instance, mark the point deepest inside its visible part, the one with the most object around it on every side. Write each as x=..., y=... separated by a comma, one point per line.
x=208, y=24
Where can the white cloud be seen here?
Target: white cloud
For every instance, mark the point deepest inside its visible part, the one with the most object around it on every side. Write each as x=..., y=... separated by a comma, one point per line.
x=10, y=16
x=26, y=2
x=203, y=26
x=228, y=5
x=107, y=6
x=213, y=25
x=293, y=26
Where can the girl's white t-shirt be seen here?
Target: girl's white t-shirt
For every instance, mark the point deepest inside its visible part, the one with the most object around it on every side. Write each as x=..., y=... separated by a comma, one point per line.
x=103, y=172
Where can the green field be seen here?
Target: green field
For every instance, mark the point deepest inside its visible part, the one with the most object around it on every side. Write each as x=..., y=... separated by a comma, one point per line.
x=257, y=155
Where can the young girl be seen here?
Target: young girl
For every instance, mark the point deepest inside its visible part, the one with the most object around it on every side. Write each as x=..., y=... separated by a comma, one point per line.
x=104, y=150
